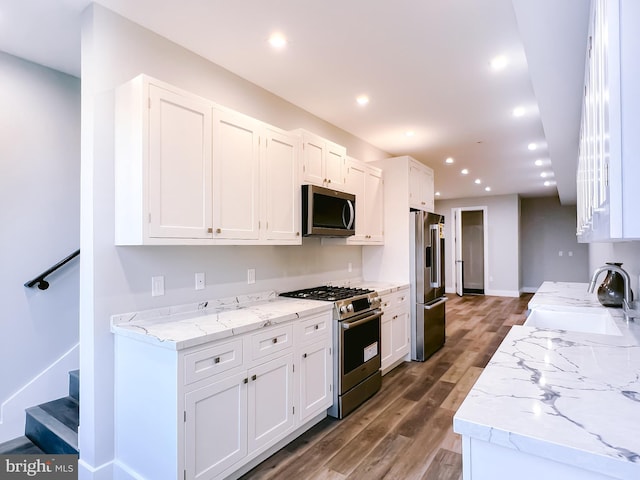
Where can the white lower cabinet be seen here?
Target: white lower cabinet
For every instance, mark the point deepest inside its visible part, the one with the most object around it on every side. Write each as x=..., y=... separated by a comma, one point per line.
x=316, y=379
x=395, y=329
x=215, y=427
x=208, y=411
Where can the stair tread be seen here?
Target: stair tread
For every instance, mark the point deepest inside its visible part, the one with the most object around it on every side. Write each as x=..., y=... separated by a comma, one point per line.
x=53, y=426
x=19, y=445
x=65, y=409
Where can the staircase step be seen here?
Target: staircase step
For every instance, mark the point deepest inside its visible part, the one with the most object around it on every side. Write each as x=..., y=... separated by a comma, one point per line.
x=74, y=384
x=19, y=446
x=53, y=426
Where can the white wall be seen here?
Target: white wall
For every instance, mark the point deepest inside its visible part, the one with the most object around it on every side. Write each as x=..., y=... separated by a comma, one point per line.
x=549, y=228
x=40, y=198
x=627, y=253
x=502, y=222
x=117, y=279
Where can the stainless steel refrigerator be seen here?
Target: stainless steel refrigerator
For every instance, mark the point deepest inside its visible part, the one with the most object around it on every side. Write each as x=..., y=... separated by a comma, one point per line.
x=427, y=284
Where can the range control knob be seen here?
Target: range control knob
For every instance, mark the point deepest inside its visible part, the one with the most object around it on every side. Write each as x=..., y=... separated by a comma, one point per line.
x=343, y=309
x=349, y=308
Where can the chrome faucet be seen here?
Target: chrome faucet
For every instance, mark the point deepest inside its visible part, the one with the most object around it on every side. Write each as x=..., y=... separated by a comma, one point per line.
x=626, y=280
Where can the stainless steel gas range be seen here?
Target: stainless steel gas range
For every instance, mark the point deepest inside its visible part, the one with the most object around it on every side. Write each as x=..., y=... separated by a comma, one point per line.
x=356, y=341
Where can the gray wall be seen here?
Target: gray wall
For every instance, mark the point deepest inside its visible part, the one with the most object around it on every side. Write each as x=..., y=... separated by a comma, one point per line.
x=548, y=245
x=502, y=223
x=117, y=279
x=40, y=218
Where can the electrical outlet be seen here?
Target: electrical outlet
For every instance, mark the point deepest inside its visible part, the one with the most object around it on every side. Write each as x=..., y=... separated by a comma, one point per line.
x=251, y=275
x=200, y=281
x=560, y=253
x=157, y=286
x=349, y=267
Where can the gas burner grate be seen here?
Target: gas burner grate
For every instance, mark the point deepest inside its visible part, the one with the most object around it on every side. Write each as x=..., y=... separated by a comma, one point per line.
x=327, y=293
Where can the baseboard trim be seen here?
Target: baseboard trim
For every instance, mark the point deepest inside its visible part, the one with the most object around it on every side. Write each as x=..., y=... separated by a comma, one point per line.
x=103, y=472
x=503, y=293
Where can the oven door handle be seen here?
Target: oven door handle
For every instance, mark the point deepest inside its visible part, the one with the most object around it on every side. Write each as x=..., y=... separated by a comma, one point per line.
x=348, y=325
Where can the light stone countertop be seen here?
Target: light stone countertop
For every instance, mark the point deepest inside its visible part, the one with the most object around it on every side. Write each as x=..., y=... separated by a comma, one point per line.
x=186, y=326
x=566, y=396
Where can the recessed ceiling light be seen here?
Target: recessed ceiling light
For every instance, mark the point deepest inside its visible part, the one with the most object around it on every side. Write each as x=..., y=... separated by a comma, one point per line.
x=477, y=181
x=487, y=189
x=499, y=63
x=547, y=183
x=538, y=162
x=543, y=174
x=437, y=194
x=518, y=111
x=449, y=161
x=532, y=146
x=410, y=133
x=277, y=40
x=464, y=171
x=362, y=100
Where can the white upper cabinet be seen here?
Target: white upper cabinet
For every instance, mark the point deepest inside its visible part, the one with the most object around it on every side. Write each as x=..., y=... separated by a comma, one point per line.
x=323, y=162
x=280, y=186
x=608, y=169
x=236, y=154
x=190, y=172
x=421, y=187
x=366, y=183
x=163, y=164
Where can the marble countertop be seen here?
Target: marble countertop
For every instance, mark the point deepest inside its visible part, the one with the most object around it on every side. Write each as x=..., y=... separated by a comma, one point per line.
x=566, y=396
x=185, y=326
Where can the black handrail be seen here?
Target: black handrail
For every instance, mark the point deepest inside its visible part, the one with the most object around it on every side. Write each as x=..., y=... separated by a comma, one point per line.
x=40, y=279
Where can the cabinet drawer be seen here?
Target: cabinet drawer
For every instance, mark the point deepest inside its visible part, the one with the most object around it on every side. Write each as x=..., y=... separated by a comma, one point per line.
x=211, y=361
x=271, y=341
x=313, y=328
x=395, y=299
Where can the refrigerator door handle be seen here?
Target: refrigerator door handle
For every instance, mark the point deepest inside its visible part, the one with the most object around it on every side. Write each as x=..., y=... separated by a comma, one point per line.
x=436, y=304
x=435, y=249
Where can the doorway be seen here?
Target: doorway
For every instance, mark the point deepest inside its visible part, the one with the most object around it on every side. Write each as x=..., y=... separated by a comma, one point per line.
x=470, y=259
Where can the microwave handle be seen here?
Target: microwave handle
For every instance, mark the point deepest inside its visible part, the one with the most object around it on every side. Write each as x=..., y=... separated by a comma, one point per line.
x=349, y=224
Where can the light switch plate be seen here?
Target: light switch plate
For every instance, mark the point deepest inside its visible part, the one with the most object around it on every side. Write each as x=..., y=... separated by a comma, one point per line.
x=157, y=286
x=200, y=281
x=251, y=275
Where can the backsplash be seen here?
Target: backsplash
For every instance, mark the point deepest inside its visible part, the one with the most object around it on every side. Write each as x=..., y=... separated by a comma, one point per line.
x=628, y=253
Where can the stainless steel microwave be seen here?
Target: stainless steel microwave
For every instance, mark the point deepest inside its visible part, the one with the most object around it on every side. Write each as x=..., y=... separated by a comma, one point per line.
x=327, y=213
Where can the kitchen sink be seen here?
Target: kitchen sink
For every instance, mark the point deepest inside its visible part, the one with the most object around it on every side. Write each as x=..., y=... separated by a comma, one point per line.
x=574, y=319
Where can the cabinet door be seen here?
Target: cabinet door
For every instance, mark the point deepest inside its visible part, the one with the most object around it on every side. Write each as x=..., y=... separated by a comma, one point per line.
x=236, y=161
x=374, y=208
x=316, y=375
x=270, y=411
x=179, y=165
x=335, y=159
x=400, y=334
x=216, y=426
x=356, y=185
x=386, y=341
x=281, y=187
x=417, y=188
x=313, y=152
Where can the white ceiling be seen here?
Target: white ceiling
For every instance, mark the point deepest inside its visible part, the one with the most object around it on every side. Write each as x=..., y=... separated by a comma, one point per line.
x=423, y=63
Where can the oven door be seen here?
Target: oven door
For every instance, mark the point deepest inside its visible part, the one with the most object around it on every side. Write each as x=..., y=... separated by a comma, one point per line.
x=359, y=349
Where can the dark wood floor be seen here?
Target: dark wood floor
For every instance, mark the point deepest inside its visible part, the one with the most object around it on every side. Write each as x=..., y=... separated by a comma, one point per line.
x=405, y=431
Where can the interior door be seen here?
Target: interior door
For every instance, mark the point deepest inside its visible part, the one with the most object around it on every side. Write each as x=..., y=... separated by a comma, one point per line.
x=457, y=240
